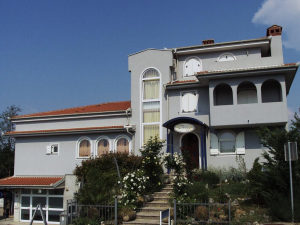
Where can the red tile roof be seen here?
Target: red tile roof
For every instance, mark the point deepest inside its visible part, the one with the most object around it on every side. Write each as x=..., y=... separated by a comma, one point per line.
x=104, y=107
x=29, y=181
x=64, y=130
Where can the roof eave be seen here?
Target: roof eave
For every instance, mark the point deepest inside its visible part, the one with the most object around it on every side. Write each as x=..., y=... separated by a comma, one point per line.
x=288, y=71
x=223, y=46
x=30, y=134
x=71, y=116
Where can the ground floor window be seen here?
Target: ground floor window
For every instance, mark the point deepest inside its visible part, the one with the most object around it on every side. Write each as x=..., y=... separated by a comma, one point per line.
x=51, y=202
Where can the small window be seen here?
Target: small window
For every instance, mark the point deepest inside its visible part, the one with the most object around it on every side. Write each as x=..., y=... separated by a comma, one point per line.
x=227, y=142
x=103, y=147
x=84, y=149
x=52, y=149
x=189, y=102
x=226, y=57
x=192, y=66
x=123, y=146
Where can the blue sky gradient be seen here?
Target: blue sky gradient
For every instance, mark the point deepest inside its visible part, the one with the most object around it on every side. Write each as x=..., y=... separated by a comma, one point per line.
x=63, y=53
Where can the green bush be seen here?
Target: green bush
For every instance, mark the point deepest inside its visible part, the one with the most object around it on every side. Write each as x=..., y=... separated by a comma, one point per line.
x=269, y=180
x=99, y=177
x=206, y=177
x=152, y=165
x=86, y=220
x=197, y=192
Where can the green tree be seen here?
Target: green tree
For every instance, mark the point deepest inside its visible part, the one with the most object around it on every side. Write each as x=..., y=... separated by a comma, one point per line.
x=99, y=177
x=7, y=144
x=269, y=180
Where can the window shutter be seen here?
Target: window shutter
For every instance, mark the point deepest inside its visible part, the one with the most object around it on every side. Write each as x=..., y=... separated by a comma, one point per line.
x=48, y=150
x=192, y=102
x=214, y=144
x=240, y=143
x=185, y=103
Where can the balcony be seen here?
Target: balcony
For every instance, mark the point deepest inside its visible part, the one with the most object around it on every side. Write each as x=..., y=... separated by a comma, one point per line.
x=248, y=104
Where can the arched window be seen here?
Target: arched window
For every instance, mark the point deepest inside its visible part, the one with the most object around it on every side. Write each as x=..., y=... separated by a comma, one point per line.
x=271, y=91
x=84, y=150
x=122, y=145
x=223, y=95
x=150, y=104
x=102, y=147
x=246, y=93
x=226, y=57
x=227, y=142
x=192, y=66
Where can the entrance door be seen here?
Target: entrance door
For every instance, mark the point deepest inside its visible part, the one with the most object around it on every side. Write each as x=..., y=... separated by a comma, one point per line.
x=190, y=150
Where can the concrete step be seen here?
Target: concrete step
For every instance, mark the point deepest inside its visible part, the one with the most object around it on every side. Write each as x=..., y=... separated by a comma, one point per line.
x=144, y=222
x=166, y=190
x=161, y=194
x=157, y=204
x=152, y=209
x=148, y=215
x=162, y=198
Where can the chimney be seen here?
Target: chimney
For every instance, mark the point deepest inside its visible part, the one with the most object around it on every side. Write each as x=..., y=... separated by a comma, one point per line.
x=208, y=42
x=274, y=30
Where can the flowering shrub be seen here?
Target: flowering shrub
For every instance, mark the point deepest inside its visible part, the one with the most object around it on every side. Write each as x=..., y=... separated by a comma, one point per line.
x=151, y=164
x=174, y=162
x=133, y=186
x=180, y=184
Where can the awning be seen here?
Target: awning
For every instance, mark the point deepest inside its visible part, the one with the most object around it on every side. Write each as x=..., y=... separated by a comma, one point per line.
x=33, y=182
x=172, y=122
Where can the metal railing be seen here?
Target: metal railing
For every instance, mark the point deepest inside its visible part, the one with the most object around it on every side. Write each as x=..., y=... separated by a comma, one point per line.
x=107, y=213
x=201, y=213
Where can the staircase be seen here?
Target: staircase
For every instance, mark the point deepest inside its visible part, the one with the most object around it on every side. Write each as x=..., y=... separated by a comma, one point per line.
x=149, y=214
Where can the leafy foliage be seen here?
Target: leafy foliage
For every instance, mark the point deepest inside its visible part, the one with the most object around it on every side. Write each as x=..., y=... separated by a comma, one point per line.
x=174, y=162
x=7, y=144
x=269, y=180
x=206, y=177
x=151, y=164
x=99, y=176
x=133, y=186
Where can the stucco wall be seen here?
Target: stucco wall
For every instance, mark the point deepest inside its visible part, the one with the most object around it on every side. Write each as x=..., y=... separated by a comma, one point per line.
x=31, y=157
x=138, y=63
x=245, y=58
x=72, y=123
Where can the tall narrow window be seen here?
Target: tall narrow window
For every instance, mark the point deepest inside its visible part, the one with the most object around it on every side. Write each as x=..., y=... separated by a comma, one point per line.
x=103, y=147
x=150, y=104
x=84, y=148
x=123, y=145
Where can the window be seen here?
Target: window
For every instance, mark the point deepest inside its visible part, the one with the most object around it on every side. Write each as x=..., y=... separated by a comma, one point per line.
x=84, y=149
x=192, y=66
x=226, y=57
x=150, y=104
x=102, y=147
x=52, y=149
x=227, y=142
x=122, y=145
x=50, y=200
x=189, y=102
x=246, y=93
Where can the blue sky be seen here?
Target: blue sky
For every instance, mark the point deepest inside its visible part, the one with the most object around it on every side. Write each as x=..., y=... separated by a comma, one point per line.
x=63, y=53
